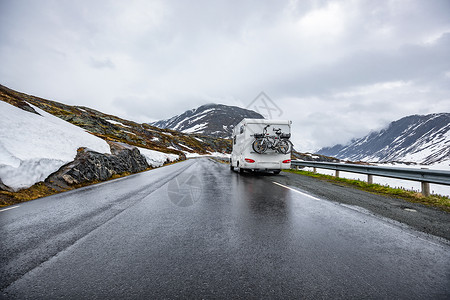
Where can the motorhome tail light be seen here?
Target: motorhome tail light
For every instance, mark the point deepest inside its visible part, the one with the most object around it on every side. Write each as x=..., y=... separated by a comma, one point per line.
x=249, y=160
x=287, y=161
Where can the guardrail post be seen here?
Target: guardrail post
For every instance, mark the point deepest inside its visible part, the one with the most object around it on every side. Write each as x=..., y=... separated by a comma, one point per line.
x=425, y=188
x=370, y=179
x=337, y=173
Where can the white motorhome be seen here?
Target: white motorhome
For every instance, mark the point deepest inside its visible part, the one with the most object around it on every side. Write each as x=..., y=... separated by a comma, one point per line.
x=246, y=157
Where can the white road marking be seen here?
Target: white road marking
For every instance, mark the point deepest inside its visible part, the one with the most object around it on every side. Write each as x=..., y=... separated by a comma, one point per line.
x=410, y=209
x=8, y=208
x=297, y=191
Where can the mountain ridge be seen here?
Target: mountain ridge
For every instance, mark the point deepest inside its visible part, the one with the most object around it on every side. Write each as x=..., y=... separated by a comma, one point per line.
x=423, y=139
x=216, y=120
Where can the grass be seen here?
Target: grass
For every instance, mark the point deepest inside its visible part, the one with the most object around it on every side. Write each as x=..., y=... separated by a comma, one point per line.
x=438, y=201
x=36, y=191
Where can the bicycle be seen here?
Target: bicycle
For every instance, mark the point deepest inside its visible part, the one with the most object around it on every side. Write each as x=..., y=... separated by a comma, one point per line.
x=279, y=142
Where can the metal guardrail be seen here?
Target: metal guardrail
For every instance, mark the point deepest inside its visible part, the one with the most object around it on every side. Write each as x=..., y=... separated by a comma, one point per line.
x=425, y=176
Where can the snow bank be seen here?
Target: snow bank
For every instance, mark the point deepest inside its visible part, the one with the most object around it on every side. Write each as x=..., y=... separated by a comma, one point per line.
x=219, y=154
x=156, y=158
x=34, y=146
x=212, y=154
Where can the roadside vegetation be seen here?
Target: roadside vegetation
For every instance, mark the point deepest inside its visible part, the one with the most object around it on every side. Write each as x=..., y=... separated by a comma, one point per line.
x=40, y=190
x=438, y=201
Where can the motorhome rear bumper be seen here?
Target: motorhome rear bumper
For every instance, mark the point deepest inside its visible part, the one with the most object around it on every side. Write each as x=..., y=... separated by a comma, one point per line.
x=266, y=166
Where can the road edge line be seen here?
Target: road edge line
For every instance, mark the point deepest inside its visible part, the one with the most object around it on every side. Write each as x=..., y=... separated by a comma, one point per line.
x=8, y=208
x=297, y=191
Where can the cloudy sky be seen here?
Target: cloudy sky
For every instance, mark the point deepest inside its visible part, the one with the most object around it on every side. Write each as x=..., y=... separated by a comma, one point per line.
x=337, y=69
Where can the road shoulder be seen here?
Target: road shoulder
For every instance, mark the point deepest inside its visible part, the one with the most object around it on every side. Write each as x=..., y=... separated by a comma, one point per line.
x=420, y=217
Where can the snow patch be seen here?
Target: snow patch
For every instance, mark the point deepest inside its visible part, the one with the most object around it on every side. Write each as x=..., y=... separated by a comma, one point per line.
x=211, y=154
x=195, y=120
x=184, y=146
x=157, y=158
x=34, y=146
x=195, y=128
x=117, y=123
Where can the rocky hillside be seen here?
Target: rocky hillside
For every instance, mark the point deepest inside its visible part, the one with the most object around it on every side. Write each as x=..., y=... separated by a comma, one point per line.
x=112, y=128
x=420, y=139
x=214, y=120
x=48, y=147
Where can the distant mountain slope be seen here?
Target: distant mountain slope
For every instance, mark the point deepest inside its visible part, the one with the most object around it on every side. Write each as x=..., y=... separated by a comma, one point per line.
x=215, y=120
x=417, y=138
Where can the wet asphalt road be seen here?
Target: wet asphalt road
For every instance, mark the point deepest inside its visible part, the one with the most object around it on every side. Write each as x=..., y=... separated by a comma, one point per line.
x=197, y=230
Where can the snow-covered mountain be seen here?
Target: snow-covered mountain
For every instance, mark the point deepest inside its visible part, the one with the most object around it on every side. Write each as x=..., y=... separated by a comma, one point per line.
x=417, y=138
x=215, y=120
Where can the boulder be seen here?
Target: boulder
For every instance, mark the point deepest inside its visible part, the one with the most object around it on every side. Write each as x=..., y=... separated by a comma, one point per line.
x=91, y=166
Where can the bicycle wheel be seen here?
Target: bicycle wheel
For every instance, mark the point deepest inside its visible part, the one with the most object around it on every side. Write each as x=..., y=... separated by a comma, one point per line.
x=284, y=146
x=259, y=146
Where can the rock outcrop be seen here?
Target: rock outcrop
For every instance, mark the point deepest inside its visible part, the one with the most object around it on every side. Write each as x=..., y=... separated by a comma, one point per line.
x=89, y=166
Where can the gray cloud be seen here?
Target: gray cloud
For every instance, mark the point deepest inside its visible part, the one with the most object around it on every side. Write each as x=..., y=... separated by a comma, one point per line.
x=101, y=63
x=410, y=62
x=338, y=69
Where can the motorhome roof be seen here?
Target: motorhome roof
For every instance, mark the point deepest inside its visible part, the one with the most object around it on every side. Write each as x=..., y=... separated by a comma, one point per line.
x=265, y=121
